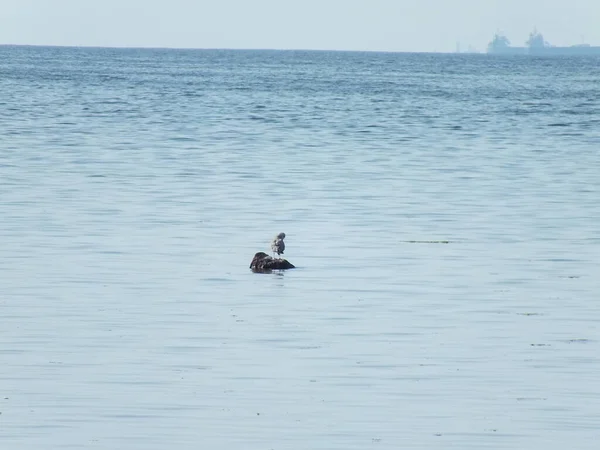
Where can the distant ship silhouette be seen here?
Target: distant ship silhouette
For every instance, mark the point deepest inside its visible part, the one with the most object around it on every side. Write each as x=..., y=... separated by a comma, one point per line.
x=537, y=46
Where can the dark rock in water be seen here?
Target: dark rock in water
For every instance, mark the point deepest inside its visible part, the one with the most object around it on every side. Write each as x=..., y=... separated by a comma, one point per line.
x=265, y=263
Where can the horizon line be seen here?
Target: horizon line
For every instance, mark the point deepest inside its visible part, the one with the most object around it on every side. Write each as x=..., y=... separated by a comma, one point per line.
x=125, y=47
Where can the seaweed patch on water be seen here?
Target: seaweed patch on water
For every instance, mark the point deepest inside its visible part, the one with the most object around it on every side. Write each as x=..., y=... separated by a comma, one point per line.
x=427, y=242
x=578, y=341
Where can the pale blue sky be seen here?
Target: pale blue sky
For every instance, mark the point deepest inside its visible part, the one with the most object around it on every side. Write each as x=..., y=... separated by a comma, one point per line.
x=386, y=25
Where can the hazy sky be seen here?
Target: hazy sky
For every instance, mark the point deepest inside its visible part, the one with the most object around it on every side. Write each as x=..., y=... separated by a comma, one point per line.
x=387, y=25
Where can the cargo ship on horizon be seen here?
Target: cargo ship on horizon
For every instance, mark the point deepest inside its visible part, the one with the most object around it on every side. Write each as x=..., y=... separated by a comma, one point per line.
x=537, y=46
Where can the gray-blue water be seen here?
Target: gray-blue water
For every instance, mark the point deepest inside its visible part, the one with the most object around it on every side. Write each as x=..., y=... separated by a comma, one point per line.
x=136, y=185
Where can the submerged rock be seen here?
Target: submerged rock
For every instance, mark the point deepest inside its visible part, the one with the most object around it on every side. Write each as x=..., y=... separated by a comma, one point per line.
x=265, y=263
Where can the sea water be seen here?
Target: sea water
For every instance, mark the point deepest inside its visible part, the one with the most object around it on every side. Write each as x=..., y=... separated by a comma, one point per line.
x=443, y=212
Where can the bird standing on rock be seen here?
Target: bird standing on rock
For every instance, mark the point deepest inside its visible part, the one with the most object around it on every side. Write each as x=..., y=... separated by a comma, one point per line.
x=278, y=246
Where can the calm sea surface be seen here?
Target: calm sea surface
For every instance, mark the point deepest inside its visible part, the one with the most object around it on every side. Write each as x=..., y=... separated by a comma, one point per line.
x=443, y=212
